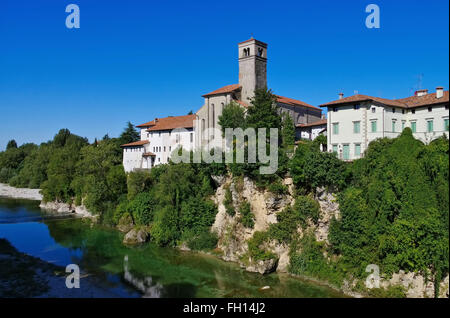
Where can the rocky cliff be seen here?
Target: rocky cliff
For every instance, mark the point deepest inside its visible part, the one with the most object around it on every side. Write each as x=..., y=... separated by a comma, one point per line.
x=234, y=236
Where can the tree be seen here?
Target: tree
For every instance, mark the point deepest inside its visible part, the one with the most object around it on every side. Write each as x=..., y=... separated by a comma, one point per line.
x=11, y=144
x=287, y=131
x=262, y=112
x=129, y=134
x=233, y=116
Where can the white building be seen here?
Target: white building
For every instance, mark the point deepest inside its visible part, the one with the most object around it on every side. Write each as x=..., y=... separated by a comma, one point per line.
x=353, y=122
x=159, y=138
x=252, y=58
x=312, y=130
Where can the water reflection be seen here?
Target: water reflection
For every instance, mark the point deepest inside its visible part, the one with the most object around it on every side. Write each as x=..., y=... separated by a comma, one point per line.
x=146, y=285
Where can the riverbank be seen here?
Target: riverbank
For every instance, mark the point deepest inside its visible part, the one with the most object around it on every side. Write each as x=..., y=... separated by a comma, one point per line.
x=24, y=276
x=20, y=193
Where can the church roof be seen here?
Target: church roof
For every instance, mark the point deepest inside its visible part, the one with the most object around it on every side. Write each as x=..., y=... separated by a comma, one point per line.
x=136, y=143
x=172, y=122
x=313, y=124
x=294, y=102
x=224, y=90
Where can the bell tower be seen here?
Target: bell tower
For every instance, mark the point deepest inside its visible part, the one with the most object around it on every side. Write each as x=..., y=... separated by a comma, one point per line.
x=252, y=67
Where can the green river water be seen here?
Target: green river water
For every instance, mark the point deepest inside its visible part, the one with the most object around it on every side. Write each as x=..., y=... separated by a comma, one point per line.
x=145, y=271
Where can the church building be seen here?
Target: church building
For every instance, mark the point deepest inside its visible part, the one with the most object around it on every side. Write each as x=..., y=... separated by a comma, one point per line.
x=252, y=56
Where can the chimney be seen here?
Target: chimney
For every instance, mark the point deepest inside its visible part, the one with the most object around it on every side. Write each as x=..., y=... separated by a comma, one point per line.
x=156, y=120
x=422, y=92
x=439, y=92
x=341, y=95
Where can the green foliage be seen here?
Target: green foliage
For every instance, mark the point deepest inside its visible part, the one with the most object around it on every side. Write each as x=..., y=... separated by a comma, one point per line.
x=307, y=259
x=395, y=213
x=247, y=216
x=287, y=132
x=233, y=116
x=129, y=134
x=304, y=209
x=204, y=241
x=138, y=182
x=277, y=187
x=141, y=208
x=228, y=202
x=263, y=112
x=255, y=247
x=311, y=168
x=11, y=144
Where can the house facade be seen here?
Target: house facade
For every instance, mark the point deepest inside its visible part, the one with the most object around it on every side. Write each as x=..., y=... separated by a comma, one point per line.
x=252, y=57
x=312, y=130
x=353, y=122
x=159, y=138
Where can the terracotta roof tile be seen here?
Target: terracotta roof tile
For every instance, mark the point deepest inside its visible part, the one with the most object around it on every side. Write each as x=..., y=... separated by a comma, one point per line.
x=424, y=100
x=224, y=90
x=172, y=122
x=316, y=123
x=294, y=102
x=409, y=102
x=363, y=98
x=136, y=143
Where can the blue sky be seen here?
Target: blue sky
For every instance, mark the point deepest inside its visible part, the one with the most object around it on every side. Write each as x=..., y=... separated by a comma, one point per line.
x=136, y=60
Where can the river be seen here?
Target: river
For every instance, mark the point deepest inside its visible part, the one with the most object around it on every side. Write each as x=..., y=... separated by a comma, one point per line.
x=146, y=271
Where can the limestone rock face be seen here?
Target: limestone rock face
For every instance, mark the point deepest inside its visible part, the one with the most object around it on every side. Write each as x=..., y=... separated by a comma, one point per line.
x=262, y=267
x=136, y=236
x=125, y=224
x=233, y=236
x=329, y=208
x=62, y=207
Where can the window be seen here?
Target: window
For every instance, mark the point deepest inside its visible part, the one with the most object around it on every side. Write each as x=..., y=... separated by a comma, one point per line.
x=159, y=134
x=192, y=137
x=335, y=128
x=373, y=109
x=413, y=126
x=335, y=109
x=430, y=125
x=445, y=124
x=403, y=124
x=178, y=138
x=346, y=152
x=413, y=111
x=403, y=111
x=335, y=148
x=170, y=148
x=357, y=150
x=393, y=110
x=446, y=106
x=356, y=127
x=430, y=109
x=356, y=106
x=373, y=125
x=213, y=115
x=148, y=135
x=164, y=148
x=393, y=125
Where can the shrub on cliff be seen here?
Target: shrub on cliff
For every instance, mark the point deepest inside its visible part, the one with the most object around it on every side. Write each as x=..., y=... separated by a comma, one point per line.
x=396, y=212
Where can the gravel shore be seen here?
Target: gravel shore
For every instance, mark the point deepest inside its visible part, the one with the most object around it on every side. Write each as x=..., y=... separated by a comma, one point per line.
x=19, y=193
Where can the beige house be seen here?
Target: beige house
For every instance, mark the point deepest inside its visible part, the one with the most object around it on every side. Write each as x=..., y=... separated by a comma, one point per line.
x=353, y=122
x=252, y=56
